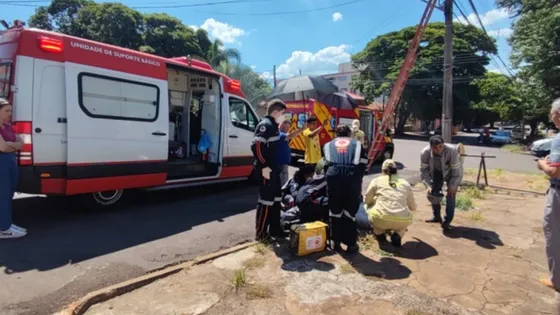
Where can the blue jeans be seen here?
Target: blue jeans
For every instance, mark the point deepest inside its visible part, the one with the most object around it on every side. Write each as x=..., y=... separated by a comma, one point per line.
x=449, y=209
x=8, y=184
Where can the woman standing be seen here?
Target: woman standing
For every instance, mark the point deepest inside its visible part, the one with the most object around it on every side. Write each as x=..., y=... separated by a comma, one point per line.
x=10, y=143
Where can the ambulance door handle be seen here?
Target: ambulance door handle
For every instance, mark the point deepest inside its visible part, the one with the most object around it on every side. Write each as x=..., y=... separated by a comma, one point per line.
x=233, y=136
x=159, y=133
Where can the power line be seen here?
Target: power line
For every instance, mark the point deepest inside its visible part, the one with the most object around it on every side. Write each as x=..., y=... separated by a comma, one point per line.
x=192, y=5
x=287, y=12
x=485, y=32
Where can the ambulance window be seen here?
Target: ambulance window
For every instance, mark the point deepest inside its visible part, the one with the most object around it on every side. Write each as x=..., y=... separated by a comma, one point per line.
x=241, y=114
x=114, y=98
x=5, y=70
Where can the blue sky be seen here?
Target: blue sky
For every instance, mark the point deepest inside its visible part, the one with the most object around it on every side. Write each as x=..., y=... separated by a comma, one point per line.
x=314, y=37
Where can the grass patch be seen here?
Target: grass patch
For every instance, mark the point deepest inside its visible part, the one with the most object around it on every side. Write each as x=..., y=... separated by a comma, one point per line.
x=254, y=263
x=514, y=148
x=474, y=192
x=477, y=216
x=416, y=312
x=383, y=253
x=462, y=202
x=538, y=229
x=262, y=248
x=368, y=242
x=258, y=292
x=497, y=172
x=346, y=269
x=239, y=279
x=470, y=171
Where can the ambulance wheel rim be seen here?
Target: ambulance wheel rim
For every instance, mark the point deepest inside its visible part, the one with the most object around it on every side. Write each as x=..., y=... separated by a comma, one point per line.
x=106, y=198
x=387, y=155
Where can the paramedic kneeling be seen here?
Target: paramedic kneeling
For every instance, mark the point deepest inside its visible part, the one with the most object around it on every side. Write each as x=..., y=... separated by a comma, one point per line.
x=264, y=147
x=312, y=200
x=388, y=202
x=345, y=164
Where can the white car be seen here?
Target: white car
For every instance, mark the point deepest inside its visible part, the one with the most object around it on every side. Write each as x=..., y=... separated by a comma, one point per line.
x=541, y=147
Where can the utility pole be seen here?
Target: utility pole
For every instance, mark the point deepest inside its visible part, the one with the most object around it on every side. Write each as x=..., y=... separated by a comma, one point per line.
x=447, y=109
x=274, y=74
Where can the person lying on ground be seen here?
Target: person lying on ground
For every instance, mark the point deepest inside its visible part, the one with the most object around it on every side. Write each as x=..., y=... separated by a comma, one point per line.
x=291, y=188
x=389, y=201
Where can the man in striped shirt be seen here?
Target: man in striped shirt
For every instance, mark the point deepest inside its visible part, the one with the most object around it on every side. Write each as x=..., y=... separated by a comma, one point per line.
x=441, y=163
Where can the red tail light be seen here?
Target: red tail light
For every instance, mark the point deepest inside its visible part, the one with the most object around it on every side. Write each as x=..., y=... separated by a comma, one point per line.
x=51, y=45
x=23, y=129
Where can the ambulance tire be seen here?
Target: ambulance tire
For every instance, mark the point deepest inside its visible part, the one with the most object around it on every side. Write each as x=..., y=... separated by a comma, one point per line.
x=105, y=200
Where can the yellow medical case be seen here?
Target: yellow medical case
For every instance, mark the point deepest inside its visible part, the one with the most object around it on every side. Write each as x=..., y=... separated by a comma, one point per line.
x=308, y=238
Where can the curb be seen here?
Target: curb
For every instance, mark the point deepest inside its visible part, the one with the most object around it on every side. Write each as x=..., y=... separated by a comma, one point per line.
x=80, y=306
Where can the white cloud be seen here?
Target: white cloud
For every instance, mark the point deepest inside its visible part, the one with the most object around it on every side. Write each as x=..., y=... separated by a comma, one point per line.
x=266, y=75
x=225, y=32
x=337, y=16
x=253, y=67
x=498, y=71
x=502, y=32
x=324, y=61
x=487, y=18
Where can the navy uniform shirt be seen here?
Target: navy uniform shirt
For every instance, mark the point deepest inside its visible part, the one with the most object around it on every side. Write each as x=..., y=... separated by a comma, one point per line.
x=265, y=143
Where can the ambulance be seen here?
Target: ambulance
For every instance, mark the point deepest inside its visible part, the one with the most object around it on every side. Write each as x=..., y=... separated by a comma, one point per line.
x=98, y=120
x=297, y=113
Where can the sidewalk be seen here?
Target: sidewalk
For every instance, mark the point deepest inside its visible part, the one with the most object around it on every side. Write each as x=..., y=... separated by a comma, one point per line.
x=489, y=264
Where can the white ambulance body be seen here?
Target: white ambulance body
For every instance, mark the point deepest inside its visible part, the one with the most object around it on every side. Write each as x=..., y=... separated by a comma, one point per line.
x=98, y=119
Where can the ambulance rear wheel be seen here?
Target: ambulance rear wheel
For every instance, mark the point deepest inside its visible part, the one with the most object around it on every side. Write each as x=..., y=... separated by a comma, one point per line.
x=108, y=198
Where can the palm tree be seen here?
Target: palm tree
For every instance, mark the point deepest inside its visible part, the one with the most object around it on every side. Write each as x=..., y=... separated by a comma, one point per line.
x=255, y=88
x=217, y=54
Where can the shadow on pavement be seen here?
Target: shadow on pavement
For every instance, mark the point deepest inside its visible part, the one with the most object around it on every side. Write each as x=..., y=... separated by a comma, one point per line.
x=386, y=268
x=417, y=250
x=483, y=238
x=291, y=262
x=62, y=234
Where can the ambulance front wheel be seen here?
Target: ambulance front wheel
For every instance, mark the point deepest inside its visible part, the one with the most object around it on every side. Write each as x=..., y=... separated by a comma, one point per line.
x=107, y=198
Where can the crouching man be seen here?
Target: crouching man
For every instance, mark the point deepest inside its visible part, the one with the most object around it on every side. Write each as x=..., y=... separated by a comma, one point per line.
x=440, y=163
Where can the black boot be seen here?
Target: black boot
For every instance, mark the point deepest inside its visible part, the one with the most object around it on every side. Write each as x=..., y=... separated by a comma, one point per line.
x=381, y=238
x=446, y=226
x=396, y=240
x=436, y=218
x=337, y=248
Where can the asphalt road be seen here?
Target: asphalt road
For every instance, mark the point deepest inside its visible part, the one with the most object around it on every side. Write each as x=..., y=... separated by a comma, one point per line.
x=70, y=251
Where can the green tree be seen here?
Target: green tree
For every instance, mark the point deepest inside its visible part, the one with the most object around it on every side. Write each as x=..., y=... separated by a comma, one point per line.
x=254, y=86
x=382, y=58
x=535, y=53
x=169, y=37
x=499, y=95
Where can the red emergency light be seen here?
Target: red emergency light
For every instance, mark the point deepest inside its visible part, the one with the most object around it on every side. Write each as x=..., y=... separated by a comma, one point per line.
x=51, y=45
x=235, y=84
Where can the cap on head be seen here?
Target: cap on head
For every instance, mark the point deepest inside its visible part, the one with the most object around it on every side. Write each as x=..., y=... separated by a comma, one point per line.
x=388, y=164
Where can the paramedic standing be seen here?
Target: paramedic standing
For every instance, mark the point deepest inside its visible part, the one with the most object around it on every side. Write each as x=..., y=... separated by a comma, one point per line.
x=265, y=151
x=550, y=165
x=357, y=133
x=345, y=164
x=284, y=151
x=440, y=163
x=9, y=144
x=312, y=143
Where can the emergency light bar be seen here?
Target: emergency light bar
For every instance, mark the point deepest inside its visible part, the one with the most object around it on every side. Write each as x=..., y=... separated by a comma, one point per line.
x=50, y=45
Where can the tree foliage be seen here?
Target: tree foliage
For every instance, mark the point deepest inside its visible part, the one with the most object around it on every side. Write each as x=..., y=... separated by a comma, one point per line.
x=155, y=33
x=383, y=56
x=536, y=53
x=499, y=95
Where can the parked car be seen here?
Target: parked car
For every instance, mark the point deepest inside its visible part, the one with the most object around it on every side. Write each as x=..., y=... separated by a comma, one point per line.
x=501, y=137
x=541, y=147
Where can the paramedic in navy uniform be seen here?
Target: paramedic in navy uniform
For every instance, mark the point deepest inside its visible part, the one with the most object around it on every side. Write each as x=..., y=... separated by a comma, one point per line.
x=265, y=150
x=345, y=165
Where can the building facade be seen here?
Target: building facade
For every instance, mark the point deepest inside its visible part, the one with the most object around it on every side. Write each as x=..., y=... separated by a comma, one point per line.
x=343, y=78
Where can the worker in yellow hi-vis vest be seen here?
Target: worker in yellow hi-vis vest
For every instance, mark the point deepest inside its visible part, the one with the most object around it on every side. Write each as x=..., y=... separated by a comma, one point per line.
x=389, y=203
